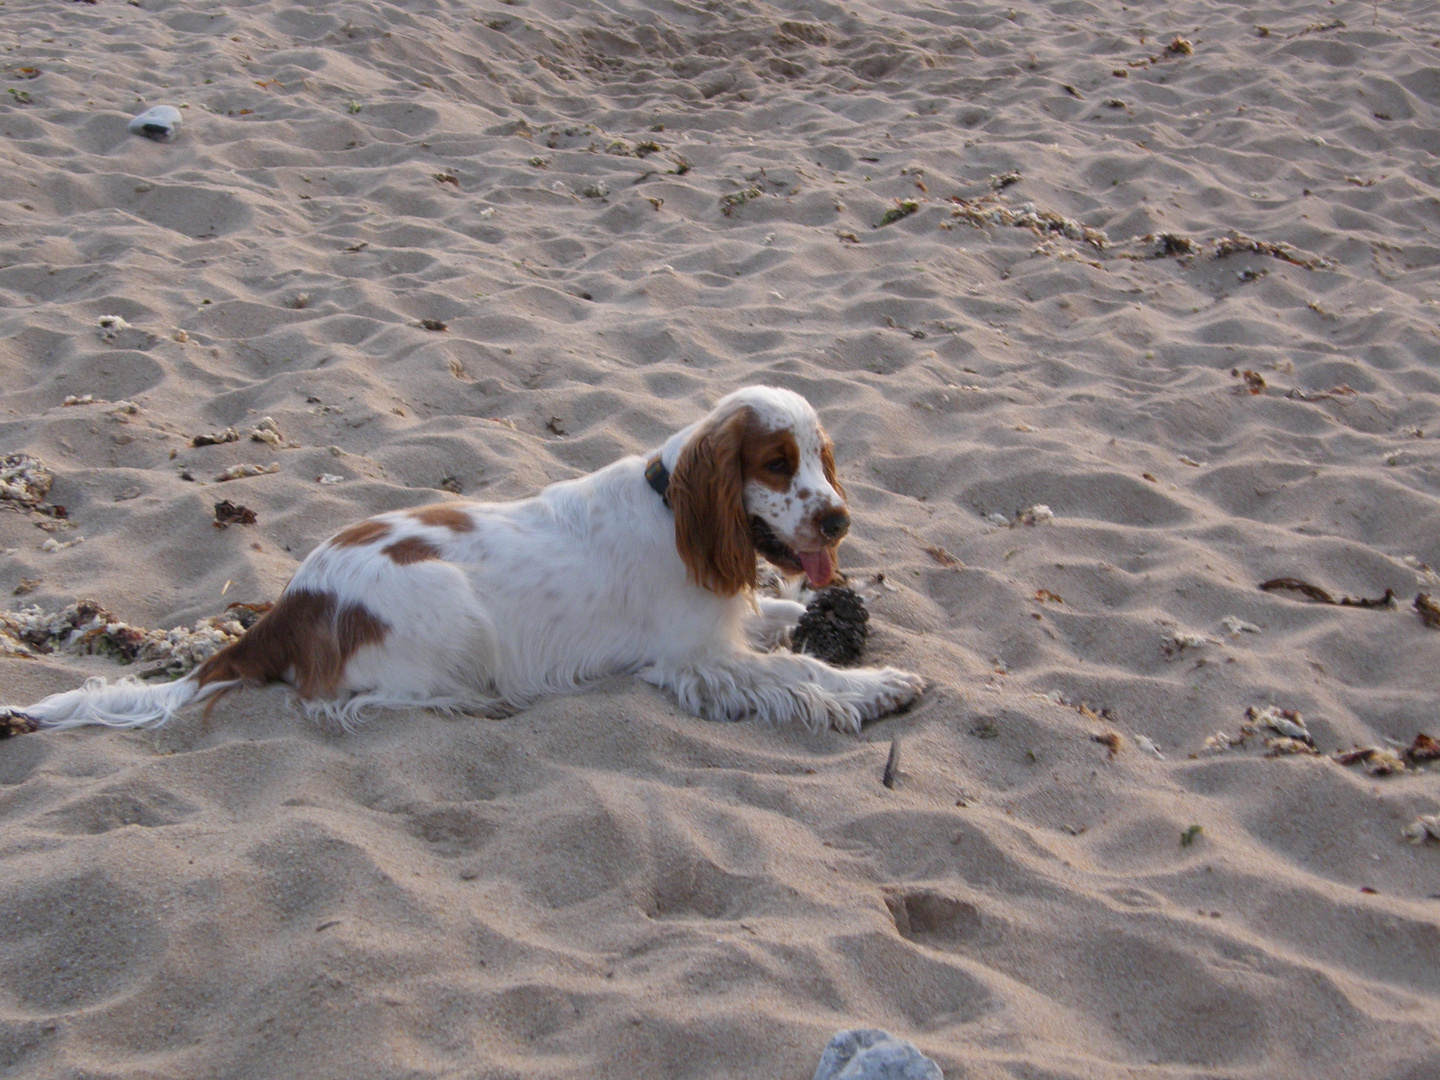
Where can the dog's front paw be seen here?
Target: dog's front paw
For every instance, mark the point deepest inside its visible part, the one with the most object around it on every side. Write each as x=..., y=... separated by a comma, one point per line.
x=892, y=690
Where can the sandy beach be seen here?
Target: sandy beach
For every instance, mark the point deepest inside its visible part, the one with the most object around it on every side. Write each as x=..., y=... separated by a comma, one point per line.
x=1114, y=314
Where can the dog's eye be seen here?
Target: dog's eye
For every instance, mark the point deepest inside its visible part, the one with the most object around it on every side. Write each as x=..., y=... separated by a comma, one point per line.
x=778, y=465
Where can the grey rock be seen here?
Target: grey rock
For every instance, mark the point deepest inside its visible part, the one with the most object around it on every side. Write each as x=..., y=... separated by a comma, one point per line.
x=871, y=1054
x=162, y=123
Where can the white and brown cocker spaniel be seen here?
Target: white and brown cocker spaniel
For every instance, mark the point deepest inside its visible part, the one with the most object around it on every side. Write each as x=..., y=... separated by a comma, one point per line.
x=646, y=566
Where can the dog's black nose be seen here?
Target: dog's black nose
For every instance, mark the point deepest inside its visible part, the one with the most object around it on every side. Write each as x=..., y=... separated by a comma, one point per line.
x=834, y=525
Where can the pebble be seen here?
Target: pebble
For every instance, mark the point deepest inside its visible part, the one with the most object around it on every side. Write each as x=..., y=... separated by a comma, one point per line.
x=162, y=123
x=871, y=1054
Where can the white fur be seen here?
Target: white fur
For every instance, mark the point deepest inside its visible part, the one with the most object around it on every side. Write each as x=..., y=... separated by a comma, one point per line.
x=580, y=581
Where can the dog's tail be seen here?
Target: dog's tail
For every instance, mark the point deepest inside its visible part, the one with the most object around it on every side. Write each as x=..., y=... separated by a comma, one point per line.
x=305, y=639
x=129, y=703
x=124, y=703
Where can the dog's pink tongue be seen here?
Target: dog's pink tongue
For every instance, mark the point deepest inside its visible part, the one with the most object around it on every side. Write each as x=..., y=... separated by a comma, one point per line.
x=819, y=567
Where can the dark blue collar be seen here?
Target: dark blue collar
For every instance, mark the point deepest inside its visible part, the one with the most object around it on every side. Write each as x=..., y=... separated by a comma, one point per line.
x=658, y=477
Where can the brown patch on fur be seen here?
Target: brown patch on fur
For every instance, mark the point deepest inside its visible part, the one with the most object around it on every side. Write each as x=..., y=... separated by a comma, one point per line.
x=14, y=722
x=712, y=529
x=761, y=448
x=303, y=639
x=412, y=549
x=361, y=532
x=827, y=463
x=444, y=515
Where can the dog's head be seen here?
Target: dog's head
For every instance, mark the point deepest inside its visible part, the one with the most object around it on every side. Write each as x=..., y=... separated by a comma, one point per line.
x=757, y=476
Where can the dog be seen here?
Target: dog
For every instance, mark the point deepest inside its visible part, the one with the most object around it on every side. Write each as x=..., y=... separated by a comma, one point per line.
x=647, y=566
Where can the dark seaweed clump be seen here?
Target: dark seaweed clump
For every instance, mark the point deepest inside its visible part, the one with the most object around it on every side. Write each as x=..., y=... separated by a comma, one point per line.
x=833, y=627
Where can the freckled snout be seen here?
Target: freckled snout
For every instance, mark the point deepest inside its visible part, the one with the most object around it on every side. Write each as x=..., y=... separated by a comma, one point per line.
x=833, y=524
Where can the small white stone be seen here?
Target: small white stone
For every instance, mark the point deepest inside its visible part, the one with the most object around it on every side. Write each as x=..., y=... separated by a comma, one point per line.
x=871, y=1054
x=162, y=123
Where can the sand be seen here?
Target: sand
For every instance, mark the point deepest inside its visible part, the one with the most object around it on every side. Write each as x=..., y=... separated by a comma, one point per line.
x=618, y=212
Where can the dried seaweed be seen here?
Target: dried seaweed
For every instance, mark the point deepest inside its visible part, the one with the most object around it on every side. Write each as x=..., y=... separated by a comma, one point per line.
x=1178, y=46
x=1316, y=395
x=941, y=556
x=1238, y=243
x=1320, y=596
x=1384, y=761
x=1424, y=748
x=85, y=628
x=902, y=209
x=1428, y=610
x=228, y=513
x=990, y=210
x=1173, y=245
x=1319, y=28
x=1286, y=722
x=216, y=438
x=267, y=431
x=24, y=481
x=735, y=199
x=1035, y=515
x=1222, y=741
x=1254, y=381
x=1378, y=760
x=1176, y=642
x=1350, y=757
x=834, y=627
x=1314, y=592
x=1111, y=740
x=240, y=472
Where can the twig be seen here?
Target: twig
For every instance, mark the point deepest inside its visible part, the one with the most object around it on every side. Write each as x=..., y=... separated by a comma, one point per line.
x=891, y=776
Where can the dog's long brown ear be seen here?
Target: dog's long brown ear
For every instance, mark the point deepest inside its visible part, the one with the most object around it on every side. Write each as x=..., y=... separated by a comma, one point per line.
x=827, y=463
x=712, y=529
